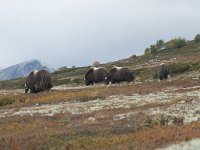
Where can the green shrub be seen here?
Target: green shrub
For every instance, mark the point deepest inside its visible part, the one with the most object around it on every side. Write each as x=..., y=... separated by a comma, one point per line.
x=57, y=82
x=160, y=44
x=155, y=74
x=179, y=68
x=154, y=49
x=6, y=101
x=147, y=52
x=180, y=43
x=197, y=38
x=175, y=43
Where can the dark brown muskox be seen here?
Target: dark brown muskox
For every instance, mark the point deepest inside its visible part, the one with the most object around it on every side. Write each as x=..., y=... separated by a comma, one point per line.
x=120, y=74
x=164, y=71
x=96, y=75
x=38, y=81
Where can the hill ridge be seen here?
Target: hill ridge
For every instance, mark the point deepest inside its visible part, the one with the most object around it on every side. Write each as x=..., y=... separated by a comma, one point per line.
x=23, y=69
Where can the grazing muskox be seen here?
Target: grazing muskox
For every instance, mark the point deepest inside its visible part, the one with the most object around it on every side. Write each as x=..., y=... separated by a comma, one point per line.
x=120, y=74
x=38, y=81
x=96, y=75
x=164, y=71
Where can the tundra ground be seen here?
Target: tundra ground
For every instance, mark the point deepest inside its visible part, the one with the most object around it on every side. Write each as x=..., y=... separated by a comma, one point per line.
x=137, y=116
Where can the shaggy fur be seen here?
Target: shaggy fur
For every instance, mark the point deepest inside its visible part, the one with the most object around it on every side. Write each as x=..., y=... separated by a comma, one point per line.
x=164, y=72
x=120, y=74
x=38, y=81
x=96, y=75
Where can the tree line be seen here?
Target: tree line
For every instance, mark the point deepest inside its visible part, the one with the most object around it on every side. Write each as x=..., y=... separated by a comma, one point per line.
x=173, y=43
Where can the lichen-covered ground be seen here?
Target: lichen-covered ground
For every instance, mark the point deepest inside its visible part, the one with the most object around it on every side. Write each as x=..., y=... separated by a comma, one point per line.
x=136, y=116
x=193, y=144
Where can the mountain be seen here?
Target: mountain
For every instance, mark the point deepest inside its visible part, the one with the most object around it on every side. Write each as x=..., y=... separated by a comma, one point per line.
x=23, y=69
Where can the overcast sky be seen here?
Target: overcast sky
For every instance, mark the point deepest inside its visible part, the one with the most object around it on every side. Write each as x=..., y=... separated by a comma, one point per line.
x=78, y=32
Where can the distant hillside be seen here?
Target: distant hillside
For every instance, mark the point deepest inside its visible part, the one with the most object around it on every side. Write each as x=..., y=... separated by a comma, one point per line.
x=23, y=69
x=181, y=60
x=184, y=63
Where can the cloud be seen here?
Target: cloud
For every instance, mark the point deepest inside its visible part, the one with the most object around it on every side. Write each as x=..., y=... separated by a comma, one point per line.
x=78, y=32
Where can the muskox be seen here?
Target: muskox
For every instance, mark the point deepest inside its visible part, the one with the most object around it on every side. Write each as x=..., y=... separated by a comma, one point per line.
x=38, y=81
x=96, y=75
x=164, y=71
x=120, y=74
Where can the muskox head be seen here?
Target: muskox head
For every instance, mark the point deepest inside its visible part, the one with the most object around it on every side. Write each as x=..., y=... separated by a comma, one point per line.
x=96, y=75
x=38, y=81
x=120, y=74
x=164, y=71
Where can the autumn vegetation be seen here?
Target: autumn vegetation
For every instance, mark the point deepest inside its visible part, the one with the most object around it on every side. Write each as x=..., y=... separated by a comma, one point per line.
x=107, y=128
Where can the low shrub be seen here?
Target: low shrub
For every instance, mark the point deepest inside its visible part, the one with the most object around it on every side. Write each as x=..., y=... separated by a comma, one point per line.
x=181, y=68
x=197, y=38
x=6, y=101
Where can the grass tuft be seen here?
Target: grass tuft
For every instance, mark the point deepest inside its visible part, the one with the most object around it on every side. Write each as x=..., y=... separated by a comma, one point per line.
x=6, y=101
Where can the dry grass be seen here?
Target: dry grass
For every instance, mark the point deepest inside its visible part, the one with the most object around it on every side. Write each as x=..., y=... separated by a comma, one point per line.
x=63, y=131
x=91, y=93
x=96, y=130
x=103, y=129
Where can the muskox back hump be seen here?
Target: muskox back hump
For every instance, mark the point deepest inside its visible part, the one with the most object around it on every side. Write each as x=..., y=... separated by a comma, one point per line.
x=120, y=74
x=100, y=74
x=45, y=79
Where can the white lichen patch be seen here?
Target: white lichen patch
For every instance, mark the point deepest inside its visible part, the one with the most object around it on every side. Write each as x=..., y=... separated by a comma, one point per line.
x=191, y=145
x=184, y=104
x=68, y=87
x=123, y=116
x=90, y=120
x=182, y=108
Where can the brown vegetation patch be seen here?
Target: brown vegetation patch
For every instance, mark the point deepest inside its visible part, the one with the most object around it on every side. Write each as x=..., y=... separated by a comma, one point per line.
x=115, y=128
x=102, y=92
x=63, y=131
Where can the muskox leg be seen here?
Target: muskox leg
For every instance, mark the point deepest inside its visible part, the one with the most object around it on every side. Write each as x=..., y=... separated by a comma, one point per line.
x=129, y=82
x=95, y=85
x=32, y=91
x=169, y=77
x=113, y=81
x=109, y=84
x=26, y=88
x=50, y=86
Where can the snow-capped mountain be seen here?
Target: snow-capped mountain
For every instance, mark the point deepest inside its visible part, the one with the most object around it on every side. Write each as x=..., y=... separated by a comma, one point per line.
x=23, y=69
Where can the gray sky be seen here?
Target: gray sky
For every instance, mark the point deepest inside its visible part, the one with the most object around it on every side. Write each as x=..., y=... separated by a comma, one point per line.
x=78, y=32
